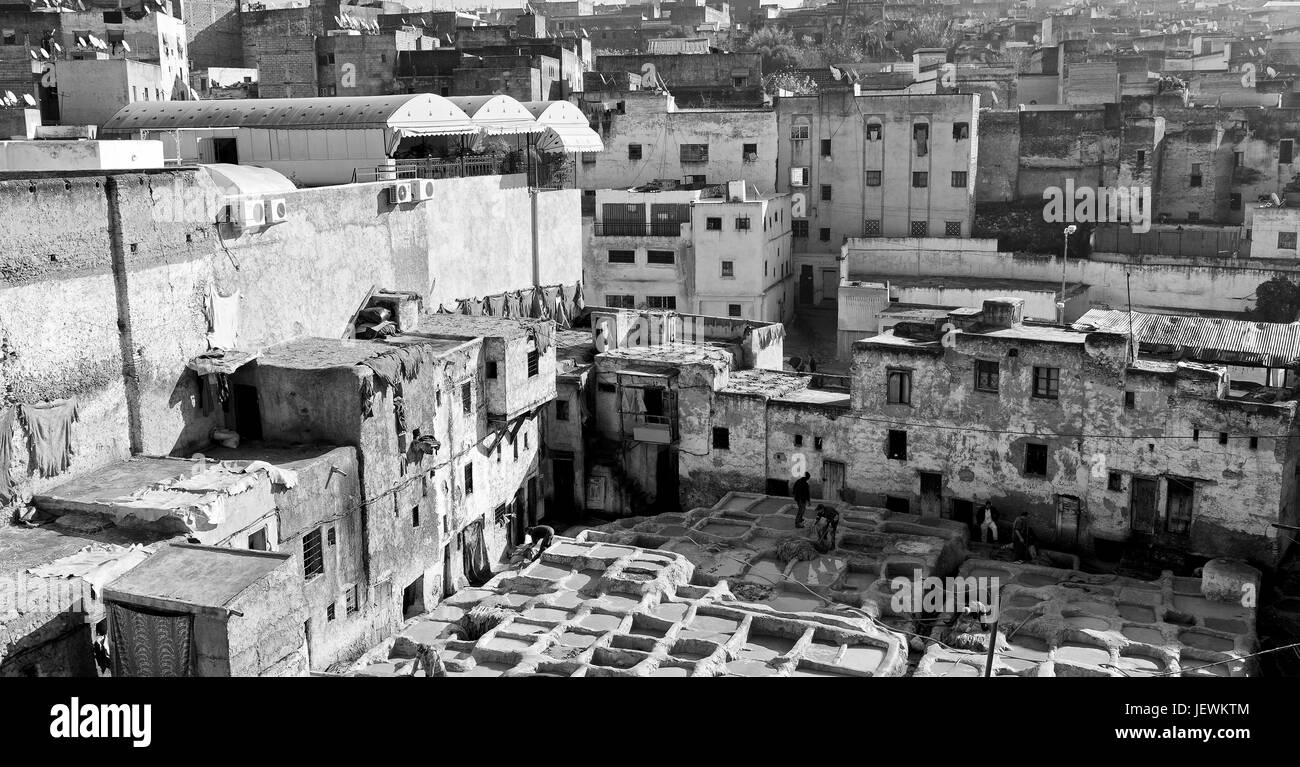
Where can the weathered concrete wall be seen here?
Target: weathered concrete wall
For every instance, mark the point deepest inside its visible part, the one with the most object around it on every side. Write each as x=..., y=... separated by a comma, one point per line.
x=303, y=277
x=999, y=156
x=268, y=638
x=660, y=128
x=712, y=472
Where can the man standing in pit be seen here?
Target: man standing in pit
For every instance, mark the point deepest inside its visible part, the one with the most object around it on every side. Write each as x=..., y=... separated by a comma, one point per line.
x=802, y=494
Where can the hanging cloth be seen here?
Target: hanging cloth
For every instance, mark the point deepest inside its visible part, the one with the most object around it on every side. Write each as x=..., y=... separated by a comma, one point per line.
x=579, y=302
x=562, y=318
x=488, y=309
x=49, y=435
x=518, y=304
x=223, y=319
x=6, y=454
x=151, y=643
x=543, y=335
x=474, y=551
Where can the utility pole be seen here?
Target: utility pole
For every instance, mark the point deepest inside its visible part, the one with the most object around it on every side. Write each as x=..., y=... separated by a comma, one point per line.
x=1065, y=254
x=993, y=644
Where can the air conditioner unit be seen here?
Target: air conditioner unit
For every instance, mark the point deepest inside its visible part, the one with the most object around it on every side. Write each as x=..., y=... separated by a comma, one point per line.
x=245, y=213
x=798, y=177
x=399, y=193
x=422, y=189
x=277, y=210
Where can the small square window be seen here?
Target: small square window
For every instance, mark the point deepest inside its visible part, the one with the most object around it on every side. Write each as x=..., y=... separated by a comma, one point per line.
x=713, y=223
x=491, y=369
x=959, y=179
x=634, y=151
x=561, y=410
x=1223, y=438
x=826, y=147
x=721, y=438
x=799, y=132
x=824, y=234
x=871, y=227
x=1114, y=481
x=874, y=131
x=257, y=541
x=1254, y=443
x=749, y=153
x=872, y=178
x=742, y=222
x=733, y=310
x=798, y=440
x=920, y=229
x=817, y=443
x=920, y=179
x=622, y=256
x=960, y=131
x=799, y=229
x=1286, y=240
x=728, y=268
x=986, y=375
x=1130, y=400
x=826, y=192
x=952, y=229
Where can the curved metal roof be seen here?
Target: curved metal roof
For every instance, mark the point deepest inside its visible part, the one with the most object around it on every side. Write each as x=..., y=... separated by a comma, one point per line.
x=567, y=127
x=498, y=114
x=418, y=110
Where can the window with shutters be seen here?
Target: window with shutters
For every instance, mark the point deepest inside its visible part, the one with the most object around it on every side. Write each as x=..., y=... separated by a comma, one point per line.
x=900, y=387
x=986, y=375
x=873, y=178
x=1047, y=382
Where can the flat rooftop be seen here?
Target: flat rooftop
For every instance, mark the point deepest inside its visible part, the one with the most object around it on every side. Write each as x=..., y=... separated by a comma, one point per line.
x=1045, y=333
x=466, y=326
x=969, y=283
x=326, y=353
x=674, y=353
x=207, y=576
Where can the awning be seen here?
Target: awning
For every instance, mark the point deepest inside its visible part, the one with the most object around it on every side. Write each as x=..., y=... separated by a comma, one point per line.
x=569, y=139
x=224, y=361
x=416, y=132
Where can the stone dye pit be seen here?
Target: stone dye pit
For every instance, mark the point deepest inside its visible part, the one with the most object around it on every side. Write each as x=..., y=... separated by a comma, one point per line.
x=597, y=608
x=1056, y=622
x=737, y=541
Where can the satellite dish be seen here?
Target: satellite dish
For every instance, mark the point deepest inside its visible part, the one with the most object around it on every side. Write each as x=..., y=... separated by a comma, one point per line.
x=31, y=102
x=44, y=53
x=338, y=22
x=81, y=6
x=1271, y=72
x=584, y=33
x=10, y=97
x=126, y=47
x=58, y=48
x=81, y=42
x=34, y=56
x=1273, y=198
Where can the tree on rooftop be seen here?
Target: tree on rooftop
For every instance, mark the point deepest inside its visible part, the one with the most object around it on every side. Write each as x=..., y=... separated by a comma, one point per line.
x=777, y=48
x=1277, y=300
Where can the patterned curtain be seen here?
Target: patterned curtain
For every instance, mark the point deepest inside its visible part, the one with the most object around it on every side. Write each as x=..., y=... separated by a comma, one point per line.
x=150, y=643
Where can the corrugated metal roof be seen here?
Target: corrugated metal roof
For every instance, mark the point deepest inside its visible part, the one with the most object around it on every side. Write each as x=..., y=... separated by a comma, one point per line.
x=407, y=110
x=1209, y=339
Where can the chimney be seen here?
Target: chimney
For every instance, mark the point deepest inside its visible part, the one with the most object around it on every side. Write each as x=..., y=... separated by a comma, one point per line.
x=1003, y=312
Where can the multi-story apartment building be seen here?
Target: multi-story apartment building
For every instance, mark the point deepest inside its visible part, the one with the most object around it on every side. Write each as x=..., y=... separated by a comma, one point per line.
x=874, y=165
x=715, y=250
x=1102, y=448
x=647, y=137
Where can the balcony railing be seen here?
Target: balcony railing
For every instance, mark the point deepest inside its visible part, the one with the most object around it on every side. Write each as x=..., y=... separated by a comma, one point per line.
x=435, y=168
x=638, y=229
